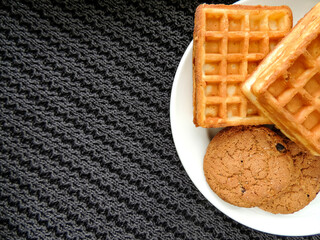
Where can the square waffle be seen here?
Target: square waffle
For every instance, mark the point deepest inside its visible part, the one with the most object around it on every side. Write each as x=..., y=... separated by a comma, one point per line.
x=229, y=43
x=286, y=85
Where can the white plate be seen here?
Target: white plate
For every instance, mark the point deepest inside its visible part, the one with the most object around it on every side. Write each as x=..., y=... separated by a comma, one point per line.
x=191, y=144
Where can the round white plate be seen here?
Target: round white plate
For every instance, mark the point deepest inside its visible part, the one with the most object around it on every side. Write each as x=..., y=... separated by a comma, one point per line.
x=191, y=144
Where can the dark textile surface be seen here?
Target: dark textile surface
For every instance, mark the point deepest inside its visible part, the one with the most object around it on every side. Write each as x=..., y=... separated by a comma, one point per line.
x=86, y=150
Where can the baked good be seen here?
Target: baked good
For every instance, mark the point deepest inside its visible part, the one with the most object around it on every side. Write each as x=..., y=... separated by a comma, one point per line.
x=286, y=85
x=305, y=186
x=254, y=166
x=248, y=166
x=229, y=43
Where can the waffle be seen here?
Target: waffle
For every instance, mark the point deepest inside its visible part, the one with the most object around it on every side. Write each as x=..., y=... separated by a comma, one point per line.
x=286, y=85
x=229, y=43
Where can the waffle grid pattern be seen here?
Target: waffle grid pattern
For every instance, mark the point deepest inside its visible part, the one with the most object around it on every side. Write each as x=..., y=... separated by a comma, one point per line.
x=298, y=90
x=235, y=43
x=86, y=150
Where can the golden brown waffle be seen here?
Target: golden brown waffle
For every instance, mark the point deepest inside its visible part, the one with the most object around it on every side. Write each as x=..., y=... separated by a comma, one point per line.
x=229, y=43
x=286, y=85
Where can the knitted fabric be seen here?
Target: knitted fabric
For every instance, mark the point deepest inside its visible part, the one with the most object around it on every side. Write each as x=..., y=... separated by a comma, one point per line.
x=86, y=150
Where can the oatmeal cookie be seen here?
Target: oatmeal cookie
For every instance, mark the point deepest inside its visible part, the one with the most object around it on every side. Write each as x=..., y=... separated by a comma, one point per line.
x=305, y=187
x=248, y=166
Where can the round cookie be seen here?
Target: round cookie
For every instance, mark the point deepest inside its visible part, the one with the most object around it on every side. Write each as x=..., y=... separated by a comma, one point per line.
x=305, y=187
x=248, y=165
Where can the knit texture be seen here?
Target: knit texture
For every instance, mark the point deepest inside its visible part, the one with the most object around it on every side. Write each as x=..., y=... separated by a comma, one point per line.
x=86, y=150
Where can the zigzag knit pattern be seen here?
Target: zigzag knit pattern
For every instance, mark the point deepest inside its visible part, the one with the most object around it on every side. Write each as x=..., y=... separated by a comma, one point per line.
x=86, y=150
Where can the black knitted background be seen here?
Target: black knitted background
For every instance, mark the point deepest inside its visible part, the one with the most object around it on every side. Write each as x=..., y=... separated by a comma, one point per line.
x=86, y=150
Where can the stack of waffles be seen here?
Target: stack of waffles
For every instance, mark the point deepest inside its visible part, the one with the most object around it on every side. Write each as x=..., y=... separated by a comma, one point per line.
x=237, y=81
